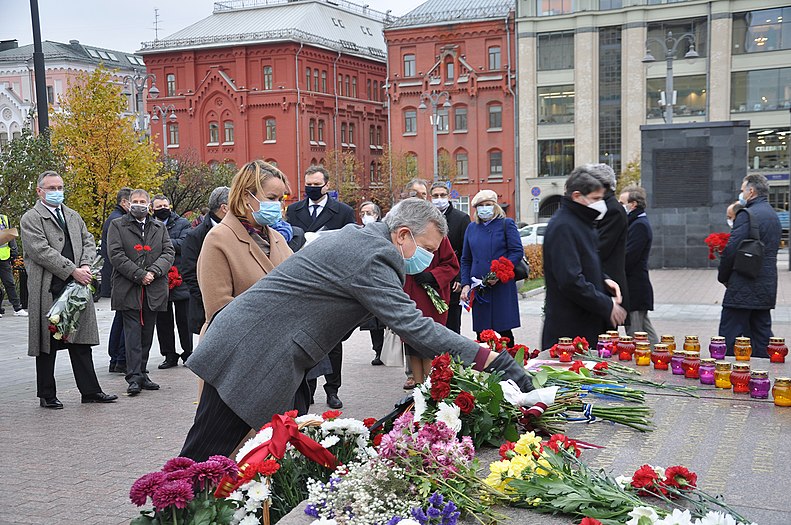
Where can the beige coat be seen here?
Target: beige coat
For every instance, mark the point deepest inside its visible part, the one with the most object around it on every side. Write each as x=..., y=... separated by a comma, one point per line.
x=44, y=240
x=230, y=262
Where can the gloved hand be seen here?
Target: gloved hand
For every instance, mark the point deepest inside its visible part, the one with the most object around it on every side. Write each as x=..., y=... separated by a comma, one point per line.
x=425, y=278
x=284, y=229
x=510, y=369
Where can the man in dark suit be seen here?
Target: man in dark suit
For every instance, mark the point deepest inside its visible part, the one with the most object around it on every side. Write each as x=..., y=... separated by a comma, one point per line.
x=178, y=228
x=190, y=250
x=457, y=225
x=315, y=213
x=115, y=344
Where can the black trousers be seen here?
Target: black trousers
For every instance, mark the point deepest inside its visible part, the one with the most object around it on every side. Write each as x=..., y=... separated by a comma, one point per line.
x=454, y=313
x=216, y=428
x=333, y=379
x=377, y=340
x=755, y=324
x=81, y=365
x=137, y=339
x=166, y=332
x=7, y=278
x=116, y=346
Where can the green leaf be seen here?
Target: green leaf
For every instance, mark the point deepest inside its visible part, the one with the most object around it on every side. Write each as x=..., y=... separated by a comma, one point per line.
x=204, y=516
x=142, y=520
x=542, y=376
x=511, y=433
x=520, y=356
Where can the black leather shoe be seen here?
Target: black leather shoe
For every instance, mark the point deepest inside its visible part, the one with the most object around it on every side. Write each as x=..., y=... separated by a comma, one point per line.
x=150, y=385
x=167, y=363
x=133, y=389
x=120, y=368
x=99, y=397
x=334, y=401
x=185, y=356
x=377, y=362
x=52, y=402
x=112, y=368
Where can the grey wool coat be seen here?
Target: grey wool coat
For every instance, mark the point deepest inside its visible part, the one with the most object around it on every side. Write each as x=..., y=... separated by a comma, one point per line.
x=257, y=349
x=125, y=247
x=44, y=241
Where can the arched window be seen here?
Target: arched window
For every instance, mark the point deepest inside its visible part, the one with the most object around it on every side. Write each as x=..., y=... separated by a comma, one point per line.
x=323, y=81
x=307, y=78
x=228, y=132
x=268, y=77
x=354, y=87
x=351, y=135
x=411, y=164
x=460, y=118
x=173, y=135
x=315, y=80
x=376, y=90
x=339, y=91
x=410, y=121
x=450, y=73
x=214, y=133
x=495, y=165
x=312, y=130
x=346, y=85
x=379, y=135
x=462, y=165
x=321, y=132
x=171, y=84
x=372, y=173
x=372, y=136
x=368, y=89
x=343, y=134
x=271, y=130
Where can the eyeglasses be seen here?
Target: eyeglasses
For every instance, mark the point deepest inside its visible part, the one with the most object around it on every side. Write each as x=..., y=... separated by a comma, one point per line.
x=53, y=188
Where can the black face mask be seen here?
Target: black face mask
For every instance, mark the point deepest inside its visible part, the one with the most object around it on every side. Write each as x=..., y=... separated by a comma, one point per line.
x=138, y=211
x=314, y=192
x=162, y=213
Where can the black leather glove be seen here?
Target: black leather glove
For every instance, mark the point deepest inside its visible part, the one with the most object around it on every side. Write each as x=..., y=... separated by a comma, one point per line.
x=425, y=278
x=506, y=365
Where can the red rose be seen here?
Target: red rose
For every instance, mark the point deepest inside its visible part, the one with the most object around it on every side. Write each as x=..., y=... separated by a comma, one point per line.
x=377, y=440
x=139, y=247
x=440, y=391
x=644, y=478
x=590, y=521
x=441, y=375
x=441, y=361
x=369, y=422
x=466, y=402
x=599, y=367
x=580, y=344
x=52, y=329
x=680, y=477
x=576, y=365
x=292, y=414
x=506, y=450
x=331, y=414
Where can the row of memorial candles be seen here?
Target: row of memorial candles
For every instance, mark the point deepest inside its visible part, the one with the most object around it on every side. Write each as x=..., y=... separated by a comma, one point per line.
x=687, y=362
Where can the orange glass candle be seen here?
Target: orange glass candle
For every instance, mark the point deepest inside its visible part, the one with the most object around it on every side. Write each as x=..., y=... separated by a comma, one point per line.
x=782, y=391
x=670, y=341
x=777, y=350
x=722, y=374
x=742, y=349
x=660, y=356
x=691, y=343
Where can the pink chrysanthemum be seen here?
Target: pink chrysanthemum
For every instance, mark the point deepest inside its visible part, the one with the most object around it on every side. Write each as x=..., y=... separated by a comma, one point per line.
x=145, y=487
x=179, y=474
x=207, y=473
x=179, y=463
x=230, y=468
x=177, y=493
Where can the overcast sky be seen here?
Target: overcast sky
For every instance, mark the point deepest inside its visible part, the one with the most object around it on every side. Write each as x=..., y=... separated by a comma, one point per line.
x=120, y=25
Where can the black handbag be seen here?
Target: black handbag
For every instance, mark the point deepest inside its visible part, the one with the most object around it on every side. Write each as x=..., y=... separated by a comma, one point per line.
x=749, y=258
x=522, y=268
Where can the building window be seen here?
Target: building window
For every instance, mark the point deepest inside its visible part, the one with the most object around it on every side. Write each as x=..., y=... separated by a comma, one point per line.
x=460, y=118
x=442, y=120
x=462, y=165
x=321, y=132
x=3, y=140
x=368, y=89
x=214, y=133
x=323, y=81
x=462, y=204
x=690, y=96
x=376, y=90
x=764, y=30
x=554, y=7
x=379, y=136
x=555, y=51
x=347, y=85
x=495, y=117
x=173, y=132
x=449, y=72
x=555, y=157
x=495, y=61
x=761, y=90
x=372, y=173
x=228, y=130
x=343, y=135
x=610, y=4
x=351, y=135
x=268, y=80
x=315, y=80
x=695, y=26
x=410, y=122
x=495, y=165
x=371, y=136
x=610, y=97
x=767, y=149
x=409, y=65
x=307, y=78
x=50, y=95
x=556, y=104
x=354, y=87
x=312, y=130
x=171, y=85
x=340, y=86
x=271, y=130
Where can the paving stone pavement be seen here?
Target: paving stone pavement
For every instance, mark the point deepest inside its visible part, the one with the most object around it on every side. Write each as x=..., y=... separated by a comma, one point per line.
x=76, y=465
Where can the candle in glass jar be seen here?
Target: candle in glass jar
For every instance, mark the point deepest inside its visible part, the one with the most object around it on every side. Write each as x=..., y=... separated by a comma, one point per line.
x=717, y=347
x=777, y=350
x=640, y=336
x=565, y=350
x=625, y=348
x=742, y=349
x=691, y=343
x=706, y=371
x=691, y=364
x=781, y=392
x=642, y=353
x=604, y=346
x=759, y=384
x=676, y=361
x=614, y=338
x=740, y=378
x=670, y=341
x=722, y=374
x=660, y=356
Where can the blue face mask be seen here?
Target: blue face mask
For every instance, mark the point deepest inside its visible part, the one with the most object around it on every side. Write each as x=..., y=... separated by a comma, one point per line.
x=418, y=262
x=485, y=212
x=742, y=200
x=54, y=197
x=269, y=212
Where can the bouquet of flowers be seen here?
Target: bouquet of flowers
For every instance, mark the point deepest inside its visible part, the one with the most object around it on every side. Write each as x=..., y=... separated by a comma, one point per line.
x=183, y=492
x=498, y=344
x=716, y=243
x=436, y=300
x=174, y=278
x=64, y=314
x=500, y=270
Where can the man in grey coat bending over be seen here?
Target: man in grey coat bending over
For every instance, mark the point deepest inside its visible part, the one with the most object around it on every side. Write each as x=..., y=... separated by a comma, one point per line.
x=255, y=353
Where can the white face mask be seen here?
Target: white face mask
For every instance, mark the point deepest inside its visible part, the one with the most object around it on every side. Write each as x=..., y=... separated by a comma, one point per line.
x=368, y=219
x=440, y=203
x=730, y=223
x=627, y=208
x=599, y=206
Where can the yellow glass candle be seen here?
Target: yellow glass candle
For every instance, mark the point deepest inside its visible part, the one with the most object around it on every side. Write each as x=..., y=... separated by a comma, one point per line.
x=642, y=353
x=782, y=391
x=722, y=374
x=670, y=341
x=742, y=349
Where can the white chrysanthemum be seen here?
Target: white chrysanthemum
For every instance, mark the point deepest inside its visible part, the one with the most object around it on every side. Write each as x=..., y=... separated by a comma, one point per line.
x=238, y=516
x=323, y=521
x=624, y=481
x=676, y=518
x=308, y=418
x=716, y=518
x=427, y=384
x=252, y=505
x=258, y=491
x=259, y=439
x=640, y=512
x=250, y=519
x=420, y=404
x=449, y=414
x=236, y=495
x=329, y=441
x=345, y=426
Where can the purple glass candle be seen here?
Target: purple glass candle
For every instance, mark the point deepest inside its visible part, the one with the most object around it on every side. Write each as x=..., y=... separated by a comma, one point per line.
x=604, y=346
x=717, y=347
x=706, y=371
x=759, y=384
x=675, y=363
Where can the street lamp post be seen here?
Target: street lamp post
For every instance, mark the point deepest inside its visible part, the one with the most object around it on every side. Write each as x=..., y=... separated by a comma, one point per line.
x=135, y=85
x=161, y=111
x=670, y=46
x=434, y=99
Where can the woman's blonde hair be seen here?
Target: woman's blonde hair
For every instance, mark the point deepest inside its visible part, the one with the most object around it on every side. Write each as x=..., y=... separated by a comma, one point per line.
x=251, y=178
x=498, y=213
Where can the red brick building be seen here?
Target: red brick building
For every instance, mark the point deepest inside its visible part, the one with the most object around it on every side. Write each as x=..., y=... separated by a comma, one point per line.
x=255, y=80
x=462, y=52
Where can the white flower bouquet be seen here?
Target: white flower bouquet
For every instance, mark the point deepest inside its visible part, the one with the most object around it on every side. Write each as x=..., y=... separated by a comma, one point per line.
x=64, y=315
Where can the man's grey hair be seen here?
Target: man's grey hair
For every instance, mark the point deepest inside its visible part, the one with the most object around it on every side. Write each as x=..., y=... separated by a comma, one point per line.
x=218, y=197
x=140, y=192
x=318, y=168
x=603, y=173
x=411, y=184
x=439, y=184
x=635, y=194
x=583, y=181
x=377, y=209
x=415, y=214
x=759, y=183
x=48, y=173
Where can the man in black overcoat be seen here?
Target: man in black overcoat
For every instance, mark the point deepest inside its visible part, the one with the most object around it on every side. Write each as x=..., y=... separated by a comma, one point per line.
x=115, y=343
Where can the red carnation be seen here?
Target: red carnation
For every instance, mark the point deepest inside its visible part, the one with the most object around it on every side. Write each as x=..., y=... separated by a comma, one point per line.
x=292, y=414
x=488, y=336
x=377, y=439
x=590, y=521
x=139, y=247
x=441, y=361
x=506, y=450
x=680, y=477
x=580, y=344
x=440, y=391
x=267, y=468
x=52, y=329
x=503, y=269
x=466, y=402
x=599, y=367
x=147, y=248
x=369, y=422
x=644, y=478
x=558, y=441
x=576, y=365
x=534, y=353
x=331, y=414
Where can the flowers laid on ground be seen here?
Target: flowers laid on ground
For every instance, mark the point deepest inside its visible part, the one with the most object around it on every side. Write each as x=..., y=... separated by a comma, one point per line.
x=716, y=243
x=174, y=278
x=64, y=314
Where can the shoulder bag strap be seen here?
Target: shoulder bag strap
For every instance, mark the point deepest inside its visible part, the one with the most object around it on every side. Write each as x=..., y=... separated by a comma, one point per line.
x=754, y=234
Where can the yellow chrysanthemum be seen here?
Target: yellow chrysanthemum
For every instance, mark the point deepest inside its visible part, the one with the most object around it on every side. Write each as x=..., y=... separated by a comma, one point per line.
x=500, y=467
x=547, y=470
x=495, y=481
x=527, y=443
x=519, y=464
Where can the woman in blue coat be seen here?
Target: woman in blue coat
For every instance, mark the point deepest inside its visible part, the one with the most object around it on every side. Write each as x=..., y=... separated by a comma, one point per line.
x=490, y=237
